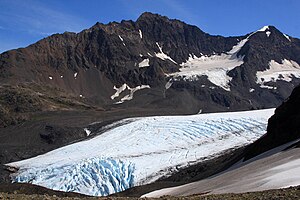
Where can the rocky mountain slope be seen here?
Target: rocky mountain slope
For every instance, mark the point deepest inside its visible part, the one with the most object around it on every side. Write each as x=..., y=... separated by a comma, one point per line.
x=156, y=62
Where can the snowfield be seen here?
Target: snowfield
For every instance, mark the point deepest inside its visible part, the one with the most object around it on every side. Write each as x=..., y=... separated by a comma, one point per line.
x=284, y=71
x=137, y=151
x=274, y=169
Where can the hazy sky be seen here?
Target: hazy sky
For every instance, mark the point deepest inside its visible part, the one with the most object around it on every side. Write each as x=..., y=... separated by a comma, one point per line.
x=23, y=22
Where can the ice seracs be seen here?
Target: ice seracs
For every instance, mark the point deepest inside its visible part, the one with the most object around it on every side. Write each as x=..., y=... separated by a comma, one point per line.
x=283, y=71
x=138, y=151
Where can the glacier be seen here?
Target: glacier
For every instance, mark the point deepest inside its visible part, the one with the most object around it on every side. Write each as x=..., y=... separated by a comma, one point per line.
x=138, y=151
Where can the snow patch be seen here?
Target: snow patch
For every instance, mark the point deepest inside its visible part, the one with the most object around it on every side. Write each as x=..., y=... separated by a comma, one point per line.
x=121, y=38
x=132, y=91
x=75, y=74
x=118, y=91
x=215, y=67
x=50, y=77
x=144, y=63
x=141, y=34
x=287, y=37
x=169, y=84
x=138, y=151
x=251, y=90
x=283, y=71
x=61, y=76
x=130, y=95
x=87, y=131
x=162, y=55
x=268, y=33
x=263, y=29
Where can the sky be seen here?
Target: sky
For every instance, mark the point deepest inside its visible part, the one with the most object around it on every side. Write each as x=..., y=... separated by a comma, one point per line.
x=23, y=22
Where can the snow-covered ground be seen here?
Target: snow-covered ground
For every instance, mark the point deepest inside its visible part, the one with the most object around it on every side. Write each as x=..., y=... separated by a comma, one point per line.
x=215, y=67
x=284, y=71
x=273, y=169
x=141, y=150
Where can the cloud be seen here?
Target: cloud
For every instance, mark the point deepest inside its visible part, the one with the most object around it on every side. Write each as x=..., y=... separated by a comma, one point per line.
x=35, y=17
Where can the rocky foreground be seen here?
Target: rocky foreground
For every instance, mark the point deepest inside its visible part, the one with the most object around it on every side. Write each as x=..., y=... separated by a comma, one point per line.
x=287, y=194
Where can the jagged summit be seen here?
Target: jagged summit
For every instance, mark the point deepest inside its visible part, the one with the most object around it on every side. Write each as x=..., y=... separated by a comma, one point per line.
x=166, y=58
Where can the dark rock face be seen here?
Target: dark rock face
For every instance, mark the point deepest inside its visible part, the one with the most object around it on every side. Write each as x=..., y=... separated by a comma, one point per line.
x=283, y=126
x=92, y=62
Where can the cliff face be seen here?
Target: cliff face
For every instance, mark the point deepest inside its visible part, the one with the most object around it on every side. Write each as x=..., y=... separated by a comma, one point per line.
x=283, y=126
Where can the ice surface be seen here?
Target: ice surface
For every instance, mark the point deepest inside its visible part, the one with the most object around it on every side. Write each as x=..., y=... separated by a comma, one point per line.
x=274, y=169
x=144, y=63
x=162, y=55
x=141, y=150
x=284, y=71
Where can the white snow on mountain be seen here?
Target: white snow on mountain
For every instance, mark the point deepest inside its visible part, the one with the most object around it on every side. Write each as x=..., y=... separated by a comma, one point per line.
x=215, y=67
x=144, y=63
x=162, y=55
x=128, y=96
x=141, y=150
x=121, y=38
x=87, y=131
x=287, y=37
x=141, y=34
x=284, y=71
x=118, y=91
